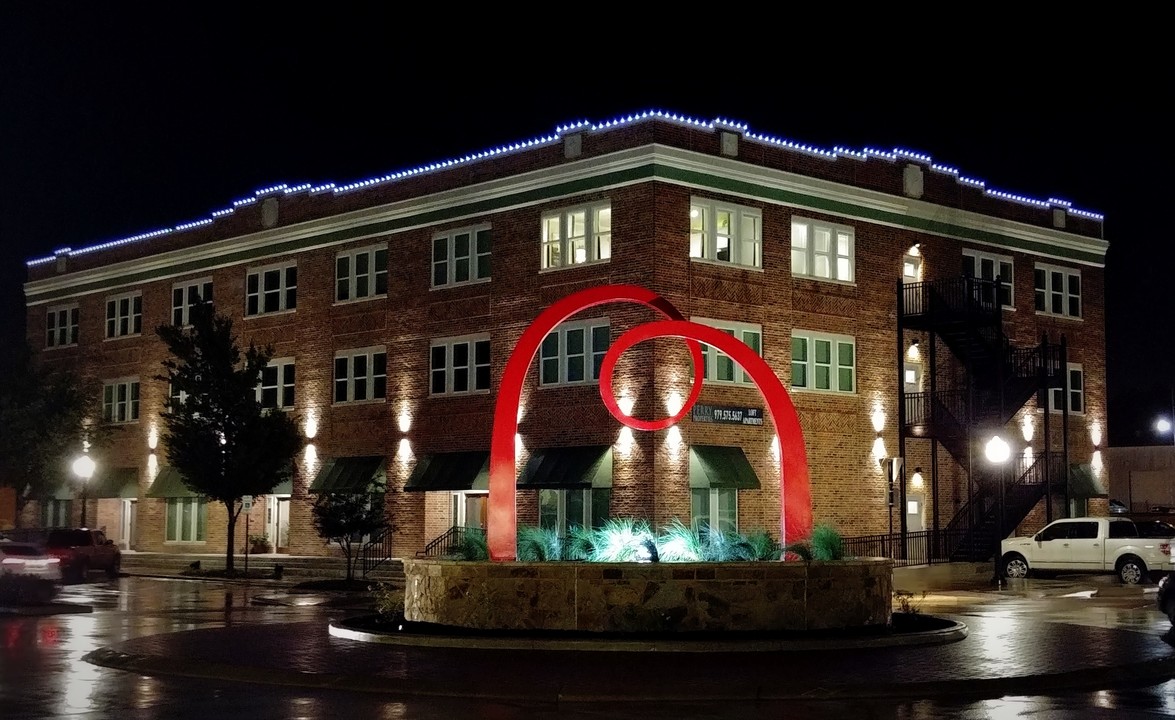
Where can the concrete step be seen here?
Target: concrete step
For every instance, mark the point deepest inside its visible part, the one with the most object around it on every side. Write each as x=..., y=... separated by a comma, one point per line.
x=293, y=566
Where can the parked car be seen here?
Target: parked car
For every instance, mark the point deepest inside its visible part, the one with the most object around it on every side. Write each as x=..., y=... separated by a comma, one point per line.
x=1155, y=529
x=1089, y=545
x=81, y=550
x=1165, y=598
x=27, y=572
x=1117, y=507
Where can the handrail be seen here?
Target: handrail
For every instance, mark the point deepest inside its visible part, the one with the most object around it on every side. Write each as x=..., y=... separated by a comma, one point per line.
x=376, y=551
x=448, y=542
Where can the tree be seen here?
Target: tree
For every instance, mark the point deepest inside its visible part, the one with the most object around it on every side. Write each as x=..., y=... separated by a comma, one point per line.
x=343, y=517
x=220, y=439
x=47, y=417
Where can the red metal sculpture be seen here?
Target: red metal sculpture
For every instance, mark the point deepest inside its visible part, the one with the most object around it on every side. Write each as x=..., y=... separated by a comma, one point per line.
x=795, y=521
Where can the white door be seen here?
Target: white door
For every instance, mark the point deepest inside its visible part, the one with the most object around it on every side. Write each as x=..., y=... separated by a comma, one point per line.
x=277, y=521
x=469, y=509
x=126, y=524
x=914, y=522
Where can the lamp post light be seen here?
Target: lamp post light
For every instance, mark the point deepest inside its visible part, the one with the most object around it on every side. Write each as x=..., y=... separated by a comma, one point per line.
x=83, y=467
x=997, y=452
x=1163, y=425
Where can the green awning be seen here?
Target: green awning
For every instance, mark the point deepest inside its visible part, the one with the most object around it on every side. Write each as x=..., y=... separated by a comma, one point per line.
x=169, y=483
x=358, y=475
x=114, y=483
x=1083, y=482
x=568, y=467
x=469, y=470
x=717, y=466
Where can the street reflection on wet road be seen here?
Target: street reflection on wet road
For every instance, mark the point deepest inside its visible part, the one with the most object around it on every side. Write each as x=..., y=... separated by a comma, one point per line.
x=42, y=674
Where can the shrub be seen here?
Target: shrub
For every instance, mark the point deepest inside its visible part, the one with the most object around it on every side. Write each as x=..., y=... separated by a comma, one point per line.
x=827, y=543
x=389, y=600
x=679, y=542
x=581, y=543
x=620, y=540
x=473, y=546
x=539, y=544
x=762, y=546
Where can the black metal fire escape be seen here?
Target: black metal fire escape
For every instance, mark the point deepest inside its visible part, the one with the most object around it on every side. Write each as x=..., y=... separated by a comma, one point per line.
x=969, y=395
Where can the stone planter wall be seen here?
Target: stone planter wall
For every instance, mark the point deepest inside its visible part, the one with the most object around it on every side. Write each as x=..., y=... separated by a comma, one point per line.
x=628, y=597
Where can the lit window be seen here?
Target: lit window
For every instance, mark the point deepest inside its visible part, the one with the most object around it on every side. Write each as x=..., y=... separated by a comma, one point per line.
x=361, y=375
x=276, y=389
x=186, y=520
x=459, y=365
x=1074, y=389
x=995, y=272
x=1058, y=291
x=714, y=508
x=124, y=315
x=720, y=367
x=726, y=233
x=120, y=401
x=271, y=289
x=822, y=250
x=461, y=256
x=575, y=236
x=573, y=353
x=823, y=362
x=361, y=274
x=187, y=295
x=61, y=326
x=564, y=509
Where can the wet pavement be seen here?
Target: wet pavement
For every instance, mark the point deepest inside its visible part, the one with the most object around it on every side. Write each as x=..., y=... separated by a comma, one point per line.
x=213, y=649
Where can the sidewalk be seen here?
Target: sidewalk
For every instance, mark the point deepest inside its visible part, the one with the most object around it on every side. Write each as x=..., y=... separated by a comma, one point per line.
x=1003, y=653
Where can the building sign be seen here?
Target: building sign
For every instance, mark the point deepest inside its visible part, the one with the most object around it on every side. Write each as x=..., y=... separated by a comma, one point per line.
x=727, y=415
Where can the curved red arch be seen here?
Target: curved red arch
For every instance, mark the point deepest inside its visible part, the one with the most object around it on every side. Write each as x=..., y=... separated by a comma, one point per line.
x=502, y=520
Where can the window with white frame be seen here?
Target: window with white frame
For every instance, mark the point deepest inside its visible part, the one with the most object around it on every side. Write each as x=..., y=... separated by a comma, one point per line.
x=361, y=274
x=562, y=509
x=720, y=367
x=822, y=250
x=271, y=289
x=61, y=326
x=573, y=352
x=574, y=236
x=56, y=513
x=459, y=365
x=823, y=362
x=911, y=268
x=175, y=396
x=715, y=508
x=1058, y=290
x=124, y=315
x=1074, y=390
x=187, y=518
x=276, y=389
x=361, y=375
x=912, y=376
x=461, y=256
x=187, y=295
x=120, y=400
x=996, y=271
x=725, y=233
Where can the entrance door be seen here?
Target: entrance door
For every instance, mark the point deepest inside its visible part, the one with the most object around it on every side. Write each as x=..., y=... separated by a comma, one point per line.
x=914, y=522
x=470, y=508
x=277, y=522
x=126, y=524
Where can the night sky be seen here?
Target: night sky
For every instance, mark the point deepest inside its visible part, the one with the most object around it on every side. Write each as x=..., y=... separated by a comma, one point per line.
x=115, y=122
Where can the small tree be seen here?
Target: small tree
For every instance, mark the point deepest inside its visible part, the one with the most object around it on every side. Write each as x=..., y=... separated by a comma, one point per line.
x=221, y=440
x=344, y=517
x=46, y=418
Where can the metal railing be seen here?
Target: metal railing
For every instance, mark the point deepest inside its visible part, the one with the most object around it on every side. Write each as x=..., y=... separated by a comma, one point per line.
x=448, y=543
x=376, y=551
x=923, y=547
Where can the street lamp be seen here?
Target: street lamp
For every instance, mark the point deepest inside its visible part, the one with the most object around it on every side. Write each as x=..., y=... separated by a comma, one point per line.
x=83, y=467
x=997, y=452
x=1163, y=425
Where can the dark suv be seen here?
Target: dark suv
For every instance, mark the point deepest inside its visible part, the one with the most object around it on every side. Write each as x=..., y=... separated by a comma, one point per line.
x=1166, y=597
x=82, y=550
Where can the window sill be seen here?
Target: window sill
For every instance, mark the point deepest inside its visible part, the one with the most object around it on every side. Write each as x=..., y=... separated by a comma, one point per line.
x=355, y=403
x=122, y=337
x=1077, y=318
x=185, y=542
x=464, y=283
x=578, y=383
x=817, y=391
x=725, y=264
x=122, y=422
x=352, y=301
x=62, y=347
x=461, y=394
x=831, y=281
x=270, y=314
x=587, y=263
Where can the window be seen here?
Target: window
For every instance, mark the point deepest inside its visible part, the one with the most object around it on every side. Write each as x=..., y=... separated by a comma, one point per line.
x=56, y=513
x=271, y=289
x=912, y=376
x=459, y=365
x=185, y=296
x=563, y=509
x=124, y=315
x=120, y=401
x=276, y=389
x=725, y=233
x=911, y=268
x=1074, y=389
x=186, y=519
x=461, y=256
x=577, y=235
x=361, y=375
x=361, y=274
x=823, y=362
x=175, y=396
x=61, y=326
x=719, y=367
x=988, y=267
x=822, y=250
x=573, y=352
x=1058, y=291
x=714, y=508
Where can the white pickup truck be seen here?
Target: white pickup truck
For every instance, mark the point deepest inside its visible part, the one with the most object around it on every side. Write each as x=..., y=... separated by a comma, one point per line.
x=1088, y=545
